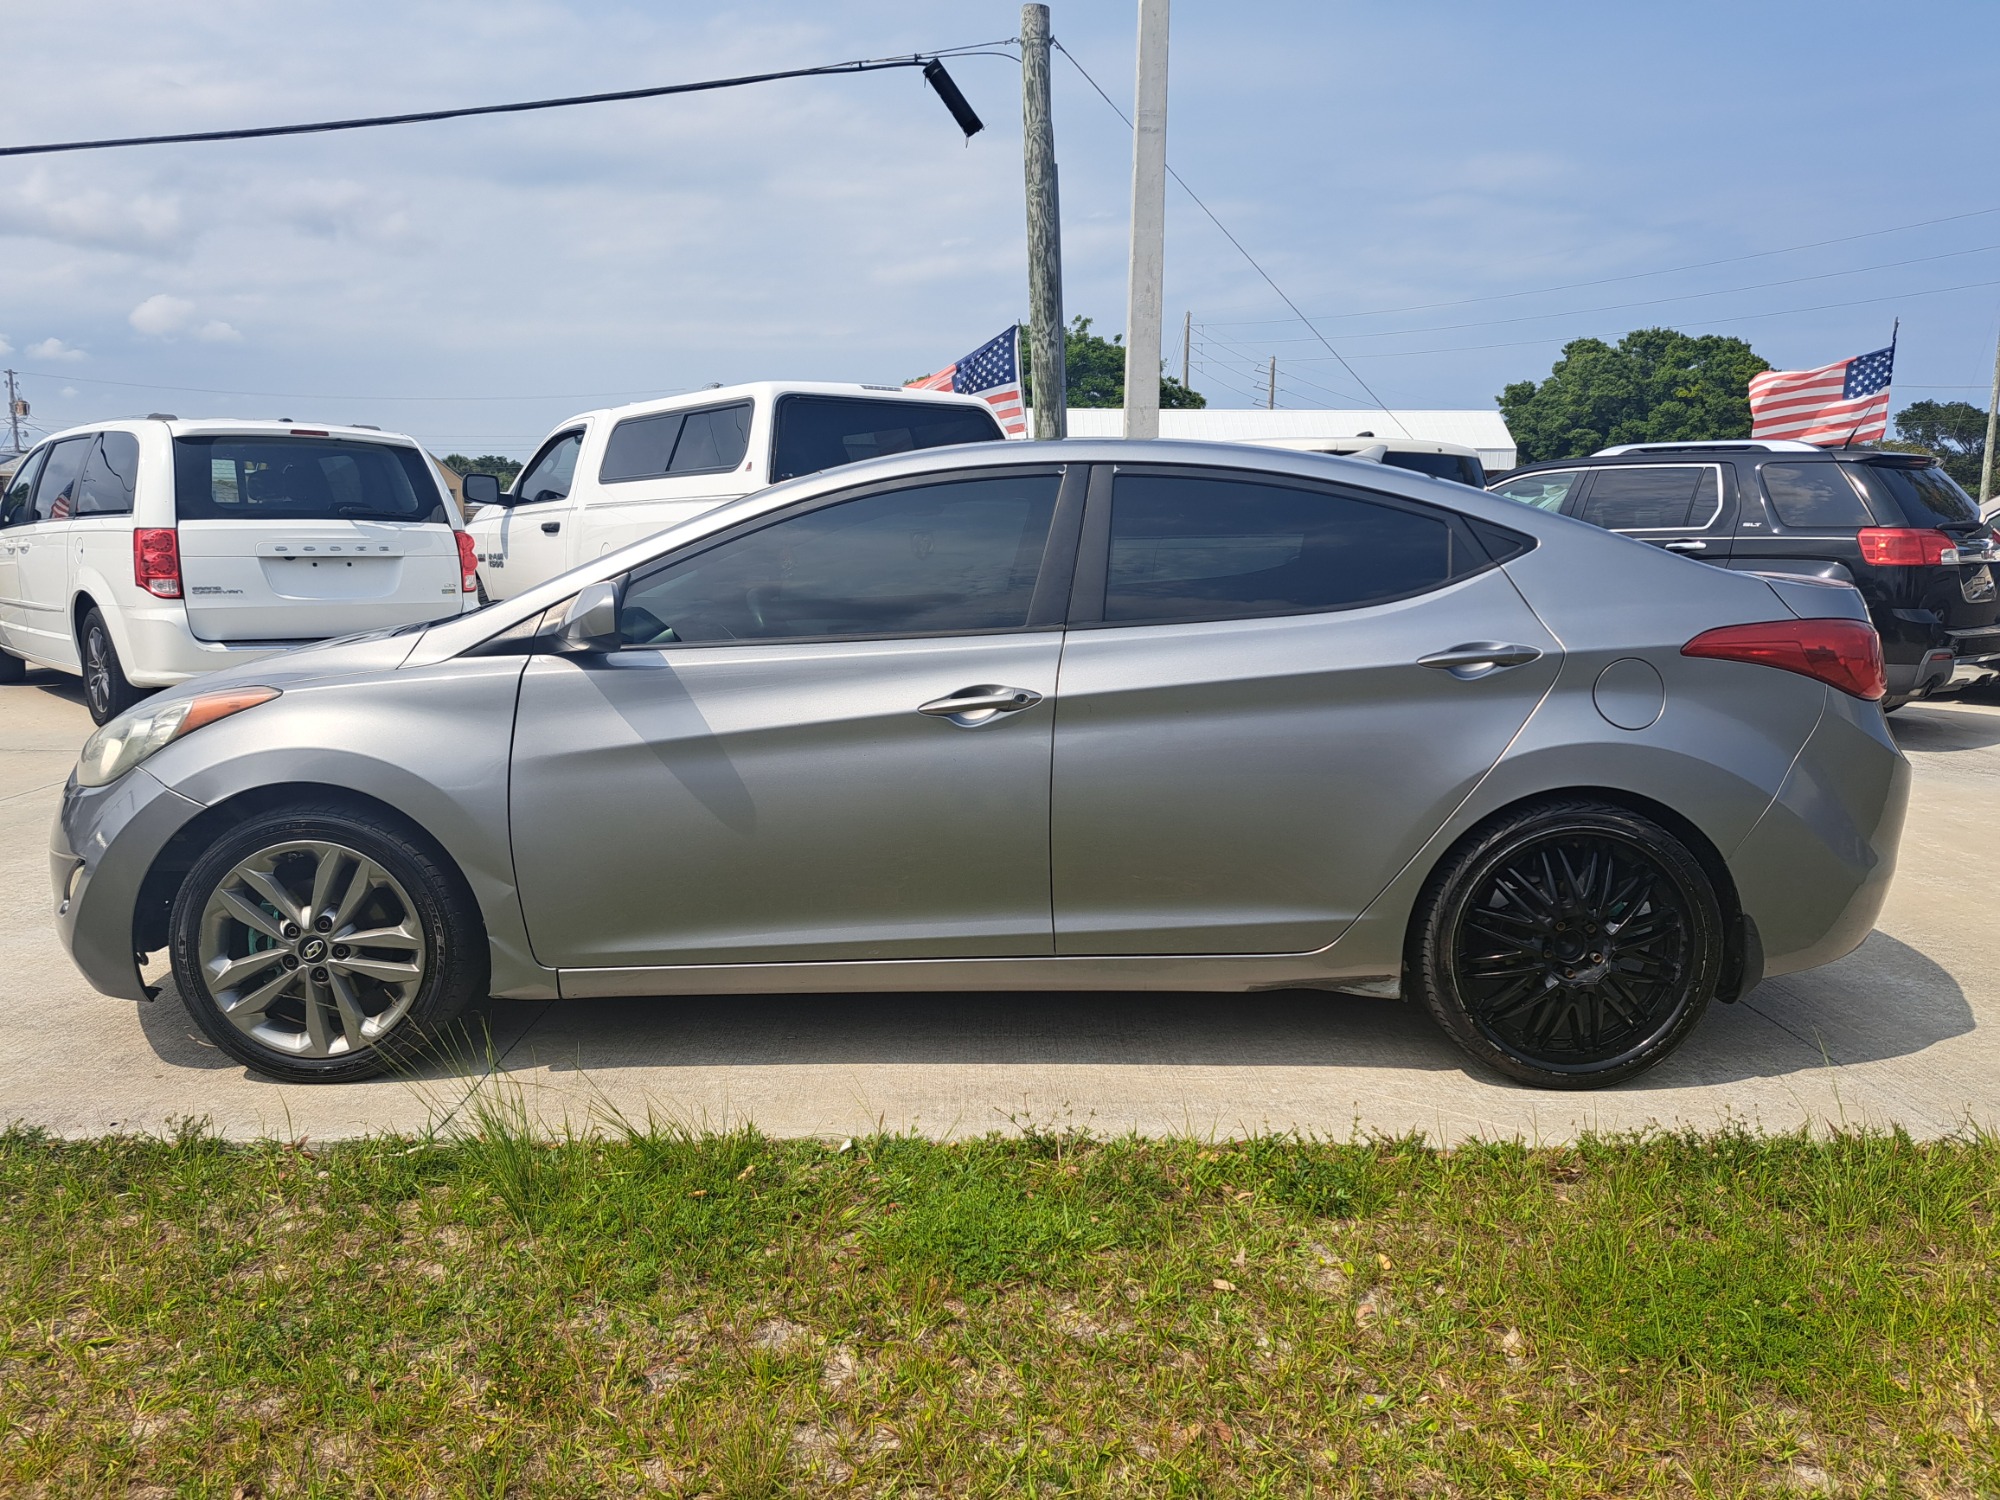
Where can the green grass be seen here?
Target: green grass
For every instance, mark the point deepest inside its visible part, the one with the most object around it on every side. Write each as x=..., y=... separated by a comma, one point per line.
x=726, y=1315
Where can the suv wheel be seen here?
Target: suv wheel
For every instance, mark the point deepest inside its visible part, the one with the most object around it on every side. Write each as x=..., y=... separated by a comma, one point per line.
x=317, y=947
x=105, y=690
x=1569, y=946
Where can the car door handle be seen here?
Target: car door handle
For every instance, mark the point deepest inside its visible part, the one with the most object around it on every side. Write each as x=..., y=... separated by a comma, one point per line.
x=970, y=707
x=1479, y=659
x=550, y=528
x=1685, y=546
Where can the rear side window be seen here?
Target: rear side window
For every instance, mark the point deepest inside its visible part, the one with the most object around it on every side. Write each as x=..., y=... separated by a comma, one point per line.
x=931, y=560
x=824, y=432
x=17, y=503
x=1666, y=497
x=696, y=442
x=301, y=479
x=110, y=477
x=55, y=494
x=1193, y=548
x=1453, y=466
x=1924, y=496
x=1542, y=491
x=1809, y=495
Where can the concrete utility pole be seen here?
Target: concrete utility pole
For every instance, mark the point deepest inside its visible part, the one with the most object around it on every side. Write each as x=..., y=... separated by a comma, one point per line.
x=1992, y=424
x=1038, y=158
x=16, y=409
x=1271, y=390
x=1144, y=290
x=1187, y=344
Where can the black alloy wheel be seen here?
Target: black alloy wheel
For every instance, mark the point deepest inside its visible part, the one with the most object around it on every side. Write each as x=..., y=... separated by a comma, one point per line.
x=106, y=692
x=1569, y=946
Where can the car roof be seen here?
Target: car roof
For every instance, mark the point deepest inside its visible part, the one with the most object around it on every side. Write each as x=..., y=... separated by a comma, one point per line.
x=770, y=390
x=1654, y=453
x=244, y=426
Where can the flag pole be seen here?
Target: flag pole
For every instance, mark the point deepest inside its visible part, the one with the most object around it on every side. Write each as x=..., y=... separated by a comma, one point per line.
x=1992, y=422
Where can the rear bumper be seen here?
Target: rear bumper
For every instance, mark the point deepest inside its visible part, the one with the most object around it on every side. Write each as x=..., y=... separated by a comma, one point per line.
x=1814, y=871
x=157, y=649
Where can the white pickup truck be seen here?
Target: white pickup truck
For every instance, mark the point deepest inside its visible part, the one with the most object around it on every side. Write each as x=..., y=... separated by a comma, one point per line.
x=610, y=477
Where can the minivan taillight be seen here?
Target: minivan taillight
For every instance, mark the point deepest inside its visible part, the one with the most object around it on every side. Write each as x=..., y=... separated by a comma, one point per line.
x=1905, y=546
x=156, y=561
x=468, y=563
x=1846, y=654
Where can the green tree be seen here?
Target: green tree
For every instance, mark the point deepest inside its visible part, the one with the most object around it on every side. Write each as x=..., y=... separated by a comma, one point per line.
x=1655, y=386
x=487, y=463
x=1095, y=369
x=1953, y=431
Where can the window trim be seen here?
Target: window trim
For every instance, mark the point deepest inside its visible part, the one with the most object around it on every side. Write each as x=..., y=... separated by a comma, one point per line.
x=580, y=434
x=693, y=411
x=1094, y=553
x=1581, y=499
x=1059, y=556
x=791, y=398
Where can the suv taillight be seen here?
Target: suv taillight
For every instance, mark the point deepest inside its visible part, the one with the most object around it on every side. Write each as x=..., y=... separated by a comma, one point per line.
x=1905, y=546
x=468, y=563
x=156, y=561
x=1846, y=654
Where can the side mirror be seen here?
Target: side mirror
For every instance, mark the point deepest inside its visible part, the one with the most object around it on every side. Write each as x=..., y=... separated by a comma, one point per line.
x=480, y=489
x=592, y=621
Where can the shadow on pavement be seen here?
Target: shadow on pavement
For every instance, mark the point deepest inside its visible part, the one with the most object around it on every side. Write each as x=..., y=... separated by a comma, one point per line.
x=1932, y=728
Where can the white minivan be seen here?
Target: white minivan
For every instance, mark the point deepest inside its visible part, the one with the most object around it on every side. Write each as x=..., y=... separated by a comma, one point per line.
x=607, y=478
x=140, y=553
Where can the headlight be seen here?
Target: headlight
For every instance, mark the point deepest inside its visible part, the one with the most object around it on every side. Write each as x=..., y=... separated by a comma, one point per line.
x=131, y=738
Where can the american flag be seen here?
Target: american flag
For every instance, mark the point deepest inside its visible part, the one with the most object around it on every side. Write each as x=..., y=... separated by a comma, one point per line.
x=991, y=372
x=1844, y=402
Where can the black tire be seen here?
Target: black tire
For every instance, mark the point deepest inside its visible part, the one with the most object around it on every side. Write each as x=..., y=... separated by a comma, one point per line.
x=12, y=668
x=453, y=956
x=106, y=693
x=1509, y=944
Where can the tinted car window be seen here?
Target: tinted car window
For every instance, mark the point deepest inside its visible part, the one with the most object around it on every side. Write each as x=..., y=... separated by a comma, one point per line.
x=55, y=494
x=1453, y=466
x=694, y=442
x=1542, y=491
x=823, y=432
x=17, y=504
x=552, y=473
x=1809, y=495
x=1654, y=498
x=1190, y=548
x=930, y=560
x=110, y=476
x=301, y=479
x=1924, y=496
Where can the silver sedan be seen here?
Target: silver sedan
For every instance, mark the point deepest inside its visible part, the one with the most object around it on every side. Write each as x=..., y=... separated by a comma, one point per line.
x=1079, y=716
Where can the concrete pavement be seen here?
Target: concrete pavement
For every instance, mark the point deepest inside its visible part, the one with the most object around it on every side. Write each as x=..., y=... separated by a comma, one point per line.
x=1904, y=1031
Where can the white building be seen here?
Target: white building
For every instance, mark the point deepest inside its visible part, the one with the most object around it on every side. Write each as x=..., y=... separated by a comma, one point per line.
x=1485, y=431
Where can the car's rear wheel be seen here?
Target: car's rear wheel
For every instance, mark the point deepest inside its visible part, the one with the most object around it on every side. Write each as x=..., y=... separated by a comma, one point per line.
x=12, y=668
x=1570, y=946
x=106, y=691
x=318, y=946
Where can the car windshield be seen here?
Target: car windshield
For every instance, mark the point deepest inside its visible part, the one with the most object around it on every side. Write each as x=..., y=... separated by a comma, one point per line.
x=302, y=479
x=1925, y=496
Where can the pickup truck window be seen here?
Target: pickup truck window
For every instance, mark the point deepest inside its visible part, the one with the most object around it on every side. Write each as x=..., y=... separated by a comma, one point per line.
x=552, y=472
x=824, y=432
x=712, y=440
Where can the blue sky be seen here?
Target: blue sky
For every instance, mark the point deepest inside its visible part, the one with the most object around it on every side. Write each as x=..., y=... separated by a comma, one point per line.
x=1439, y=182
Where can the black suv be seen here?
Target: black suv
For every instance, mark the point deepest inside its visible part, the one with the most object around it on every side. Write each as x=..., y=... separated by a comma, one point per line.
x=1895, y=525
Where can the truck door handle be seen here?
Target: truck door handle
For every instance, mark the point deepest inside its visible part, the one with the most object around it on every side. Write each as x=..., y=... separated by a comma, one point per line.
x=550, y=528
x=1685, y=546
x=971, y=707
x=1479, y=659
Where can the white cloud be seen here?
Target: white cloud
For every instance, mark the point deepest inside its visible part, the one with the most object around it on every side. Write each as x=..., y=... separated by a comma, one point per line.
x=215, y=331
x=39, y=209
x=69, y=390
x=54, y=349
x=5, y=347
x=160, y=315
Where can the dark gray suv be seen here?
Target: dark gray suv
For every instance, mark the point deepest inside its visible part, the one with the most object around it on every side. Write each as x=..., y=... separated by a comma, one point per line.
x=1894, y=525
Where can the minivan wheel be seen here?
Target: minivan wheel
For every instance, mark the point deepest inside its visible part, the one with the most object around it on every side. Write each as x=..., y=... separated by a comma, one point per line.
x=12, y=668
x=1569, y=946
x=105, y=691
x=318, y=946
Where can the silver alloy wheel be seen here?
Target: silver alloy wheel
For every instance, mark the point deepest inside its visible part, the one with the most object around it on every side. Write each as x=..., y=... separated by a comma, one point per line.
x=313, y=949
x=97, y=668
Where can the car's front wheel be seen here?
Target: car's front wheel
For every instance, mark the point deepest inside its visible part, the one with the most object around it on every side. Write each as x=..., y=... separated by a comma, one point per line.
x=1570, y=945
x=317, y=945
x=106, y=691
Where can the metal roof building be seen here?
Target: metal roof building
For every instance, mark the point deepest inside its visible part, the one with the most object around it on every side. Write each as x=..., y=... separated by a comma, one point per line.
x=1484, y=430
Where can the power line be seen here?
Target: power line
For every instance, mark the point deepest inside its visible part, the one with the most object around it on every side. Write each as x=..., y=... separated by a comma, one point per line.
x=968, y=122
x=1238, y=244
x=196, y=390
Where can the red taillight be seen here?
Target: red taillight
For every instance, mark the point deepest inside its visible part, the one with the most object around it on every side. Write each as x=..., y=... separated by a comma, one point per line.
x=1905, y=546
x=1846, y=654
x=156, y=561
x=468, y=563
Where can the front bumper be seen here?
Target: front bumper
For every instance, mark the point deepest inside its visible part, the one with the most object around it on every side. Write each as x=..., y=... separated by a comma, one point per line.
x=104, y=842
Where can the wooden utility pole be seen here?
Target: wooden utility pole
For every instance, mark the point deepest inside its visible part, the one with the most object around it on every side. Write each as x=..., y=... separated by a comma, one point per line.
x=1992, y=427
x=1271, y=390
x=17, y=409
x=1038, y=159
x=1144, y=289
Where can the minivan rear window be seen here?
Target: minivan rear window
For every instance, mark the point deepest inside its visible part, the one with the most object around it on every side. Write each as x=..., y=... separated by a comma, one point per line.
x=302, y=479
x=1925, y=496
x=824, y=432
